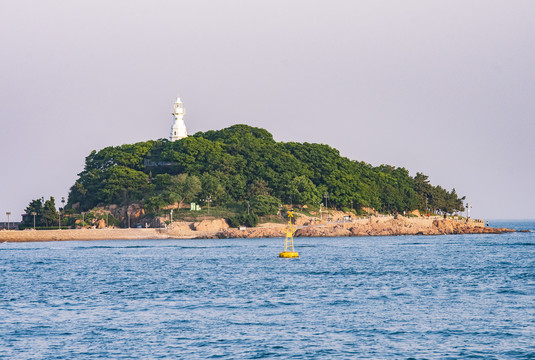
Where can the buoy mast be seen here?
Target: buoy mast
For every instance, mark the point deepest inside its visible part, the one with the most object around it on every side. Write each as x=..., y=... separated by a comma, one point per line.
x=289, y=251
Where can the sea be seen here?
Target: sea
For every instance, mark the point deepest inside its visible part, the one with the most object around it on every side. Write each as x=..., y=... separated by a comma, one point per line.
x=392, y=297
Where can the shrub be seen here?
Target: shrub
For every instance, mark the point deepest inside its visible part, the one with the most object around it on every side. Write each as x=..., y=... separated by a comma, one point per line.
x=249, y=220
x=233, y=221
x=265, y=205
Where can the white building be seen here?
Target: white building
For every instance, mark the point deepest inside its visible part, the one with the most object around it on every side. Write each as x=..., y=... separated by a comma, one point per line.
x=178, y=130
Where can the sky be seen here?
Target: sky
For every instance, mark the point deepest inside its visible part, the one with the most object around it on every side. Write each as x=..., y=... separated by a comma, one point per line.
x=440, y=87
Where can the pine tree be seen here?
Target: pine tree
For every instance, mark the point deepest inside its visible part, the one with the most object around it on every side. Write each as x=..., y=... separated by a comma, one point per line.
x=50, y=215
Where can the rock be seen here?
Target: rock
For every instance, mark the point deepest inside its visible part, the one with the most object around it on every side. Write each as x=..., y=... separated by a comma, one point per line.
x=375, y=226
x=101, y=224
x=249, y=233
x=180, y=228
x=302, y=220
x=211, y=225
x=444, y=226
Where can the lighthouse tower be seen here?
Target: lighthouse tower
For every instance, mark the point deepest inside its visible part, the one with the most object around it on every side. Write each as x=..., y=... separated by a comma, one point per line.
x=178, y=130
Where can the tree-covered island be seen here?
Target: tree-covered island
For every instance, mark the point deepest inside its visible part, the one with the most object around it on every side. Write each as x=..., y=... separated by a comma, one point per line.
x=240, y=170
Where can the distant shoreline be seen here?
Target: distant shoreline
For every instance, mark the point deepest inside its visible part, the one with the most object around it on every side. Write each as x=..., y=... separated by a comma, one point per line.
x=217, y=229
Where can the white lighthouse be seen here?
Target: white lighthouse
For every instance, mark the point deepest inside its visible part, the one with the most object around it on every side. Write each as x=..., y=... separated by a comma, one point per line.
x=178, y=130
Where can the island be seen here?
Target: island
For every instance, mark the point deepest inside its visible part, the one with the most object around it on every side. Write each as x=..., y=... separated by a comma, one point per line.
x=240, y=182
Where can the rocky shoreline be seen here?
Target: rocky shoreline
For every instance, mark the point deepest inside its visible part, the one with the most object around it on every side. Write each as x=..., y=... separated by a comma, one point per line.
x=219, y=229
x=375, y=226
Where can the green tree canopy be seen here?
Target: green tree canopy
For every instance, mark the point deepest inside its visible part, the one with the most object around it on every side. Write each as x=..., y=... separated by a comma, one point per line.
x=243, y=163
x=35, y=207
x=264, y=205
x=184, y=187
x=303, y=191
x=50, y=214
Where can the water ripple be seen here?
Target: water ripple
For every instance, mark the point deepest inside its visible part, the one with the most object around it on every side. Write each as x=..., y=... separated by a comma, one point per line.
x=390, y=297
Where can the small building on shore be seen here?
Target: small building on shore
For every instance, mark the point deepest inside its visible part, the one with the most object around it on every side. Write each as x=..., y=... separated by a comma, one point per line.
x=13, y=225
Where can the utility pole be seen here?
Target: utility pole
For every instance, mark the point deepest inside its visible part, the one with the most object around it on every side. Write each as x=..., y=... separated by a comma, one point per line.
x=248, y=206
x=33, y=213
x=209, y=200
x=63, y=208
x=8, y=213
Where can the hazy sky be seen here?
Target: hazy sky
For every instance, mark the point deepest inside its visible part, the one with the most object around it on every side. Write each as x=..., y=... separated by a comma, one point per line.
x=441, y=87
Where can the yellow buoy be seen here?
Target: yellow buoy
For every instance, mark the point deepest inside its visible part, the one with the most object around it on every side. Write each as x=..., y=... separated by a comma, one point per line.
x=289, y=254
x=289, y=251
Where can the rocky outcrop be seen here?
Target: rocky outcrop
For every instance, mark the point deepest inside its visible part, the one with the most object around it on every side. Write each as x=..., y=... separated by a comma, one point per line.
x=374, y=226
x=322, y=231
x=100, y=224
x=249, y=233
x=400, y=225
x=181, y=228
x=461, y=227
x=211, y=225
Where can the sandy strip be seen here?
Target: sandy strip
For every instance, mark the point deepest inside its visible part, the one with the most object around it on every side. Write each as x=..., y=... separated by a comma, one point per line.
x=81, y=234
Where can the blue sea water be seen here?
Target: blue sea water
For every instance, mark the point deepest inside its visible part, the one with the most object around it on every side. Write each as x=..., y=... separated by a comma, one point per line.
x=447, y=297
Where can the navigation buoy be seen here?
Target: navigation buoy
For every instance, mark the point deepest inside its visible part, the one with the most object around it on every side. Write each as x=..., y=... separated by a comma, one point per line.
x=289, y=251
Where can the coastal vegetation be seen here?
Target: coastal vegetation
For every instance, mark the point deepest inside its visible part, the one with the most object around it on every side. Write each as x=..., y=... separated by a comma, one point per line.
x=243, y=169
x=242, y=174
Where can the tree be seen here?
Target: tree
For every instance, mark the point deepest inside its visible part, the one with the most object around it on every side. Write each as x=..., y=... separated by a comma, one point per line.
x=128, y=155
x=242, y=163
x=250, y=220
x=184, y=187
x=211, y=186
x=258, y=187
x=303, y=191
x=35, y=206
x=50, y=215
x=121, y=185
x=265, y=205
x=423, y=188
x=78, y=194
